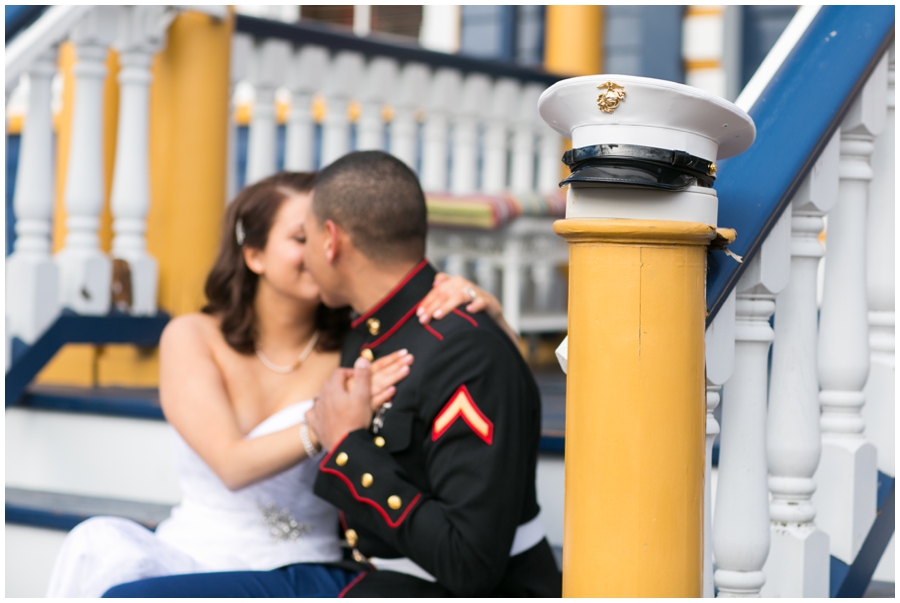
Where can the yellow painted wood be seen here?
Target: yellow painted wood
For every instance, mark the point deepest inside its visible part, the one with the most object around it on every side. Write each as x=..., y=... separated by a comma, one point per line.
x=635, y=408
x=573, y=42
x=72, y=365
x=128, y=366
x=189, y=111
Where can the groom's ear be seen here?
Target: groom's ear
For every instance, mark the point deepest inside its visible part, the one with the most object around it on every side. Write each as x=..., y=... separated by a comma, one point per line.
x=333, y=243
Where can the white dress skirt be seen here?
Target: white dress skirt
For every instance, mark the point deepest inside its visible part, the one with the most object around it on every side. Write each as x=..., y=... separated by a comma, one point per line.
x=270, y=524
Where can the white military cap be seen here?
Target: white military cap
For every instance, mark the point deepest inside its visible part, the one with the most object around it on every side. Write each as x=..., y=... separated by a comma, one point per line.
x=641, y=131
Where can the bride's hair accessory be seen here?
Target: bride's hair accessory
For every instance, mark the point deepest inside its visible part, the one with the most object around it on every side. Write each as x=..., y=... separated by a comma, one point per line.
x=239, y=234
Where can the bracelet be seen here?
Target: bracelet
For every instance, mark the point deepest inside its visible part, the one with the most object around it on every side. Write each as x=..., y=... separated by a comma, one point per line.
x=311, y=450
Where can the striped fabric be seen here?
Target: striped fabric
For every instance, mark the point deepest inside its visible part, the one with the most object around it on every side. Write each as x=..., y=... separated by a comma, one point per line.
x=489, y=212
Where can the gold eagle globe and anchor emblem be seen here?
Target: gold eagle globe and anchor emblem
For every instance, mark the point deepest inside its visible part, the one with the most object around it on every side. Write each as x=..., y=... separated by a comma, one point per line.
x=611, y=94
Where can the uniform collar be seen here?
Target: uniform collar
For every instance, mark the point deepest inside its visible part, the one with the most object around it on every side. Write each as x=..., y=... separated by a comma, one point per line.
x=398, y=306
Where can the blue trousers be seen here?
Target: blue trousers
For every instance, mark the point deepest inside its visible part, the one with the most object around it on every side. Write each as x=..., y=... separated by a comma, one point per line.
x=298, y=580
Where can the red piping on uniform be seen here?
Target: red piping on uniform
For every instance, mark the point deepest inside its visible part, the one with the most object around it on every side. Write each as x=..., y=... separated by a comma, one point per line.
x=343, y=520
x=351, y=585
x=393, y=292
x=371, y=502
x=392, y=330
x=433, y=332
x=466, y=316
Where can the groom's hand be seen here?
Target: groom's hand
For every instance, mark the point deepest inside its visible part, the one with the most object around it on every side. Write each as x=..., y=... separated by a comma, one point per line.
x=337, y=412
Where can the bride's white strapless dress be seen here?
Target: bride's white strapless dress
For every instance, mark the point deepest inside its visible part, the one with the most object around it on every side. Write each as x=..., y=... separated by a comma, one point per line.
x=270, y=524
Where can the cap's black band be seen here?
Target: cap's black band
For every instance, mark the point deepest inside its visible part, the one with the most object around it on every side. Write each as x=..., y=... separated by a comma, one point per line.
x=638, y=165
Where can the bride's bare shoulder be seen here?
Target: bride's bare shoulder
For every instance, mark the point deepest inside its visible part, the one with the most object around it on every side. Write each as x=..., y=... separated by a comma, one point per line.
x=192, y=330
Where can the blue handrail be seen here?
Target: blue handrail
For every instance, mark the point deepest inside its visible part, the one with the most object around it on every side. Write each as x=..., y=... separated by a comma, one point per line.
x=796, y=115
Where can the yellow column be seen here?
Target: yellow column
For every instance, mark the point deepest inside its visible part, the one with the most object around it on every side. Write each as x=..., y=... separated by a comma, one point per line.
x=573, y=37
x=635, y=418
x=189, y=102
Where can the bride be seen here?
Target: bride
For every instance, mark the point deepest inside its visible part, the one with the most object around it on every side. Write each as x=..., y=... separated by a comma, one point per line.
x=236, y=380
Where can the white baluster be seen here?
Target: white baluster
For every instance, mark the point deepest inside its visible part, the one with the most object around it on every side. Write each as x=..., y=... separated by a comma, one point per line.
x=543, y=271
x=550, y=152
x=741, y=528
x=879, y=409
x=442, y=99
x=464, y=177
x=241, y=51
x=528, y=122
x=85, y=272
x=141, y=34
x=455, y=259
x=798, y=562
x=719, y=366
x=32, y=300
x=511, y=265
x=496, y=135
x=268, y=72
x=304, y=79
x=404, y=127
x=340, y=86
x=380, y=82
x=847, y=472
x=485, y=266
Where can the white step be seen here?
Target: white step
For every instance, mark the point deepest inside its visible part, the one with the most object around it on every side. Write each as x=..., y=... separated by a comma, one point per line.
x=30, y=554
x=92, y=455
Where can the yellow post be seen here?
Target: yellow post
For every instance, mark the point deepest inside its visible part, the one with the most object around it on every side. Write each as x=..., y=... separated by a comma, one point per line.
x=573, y=39
x=635, y=415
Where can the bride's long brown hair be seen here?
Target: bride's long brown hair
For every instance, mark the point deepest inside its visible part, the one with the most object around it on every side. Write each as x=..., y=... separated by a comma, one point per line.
x=231, y=285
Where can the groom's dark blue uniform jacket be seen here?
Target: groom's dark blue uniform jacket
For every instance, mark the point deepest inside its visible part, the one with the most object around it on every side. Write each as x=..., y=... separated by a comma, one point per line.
x=445, y=477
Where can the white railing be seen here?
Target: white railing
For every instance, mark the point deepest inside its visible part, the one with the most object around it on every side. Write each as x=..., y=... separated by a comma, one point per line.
x=465, y=133
x=801, y=445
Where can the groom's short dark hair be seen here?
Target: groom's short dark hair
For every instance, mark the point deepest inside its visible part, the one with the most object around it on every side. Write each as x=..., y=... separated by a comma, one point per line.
x=377, y=199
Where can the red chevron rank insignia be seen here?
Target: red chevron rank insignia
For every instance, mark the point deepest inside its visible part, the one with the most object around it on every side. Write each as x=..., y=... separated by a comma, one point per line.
x=462, y=405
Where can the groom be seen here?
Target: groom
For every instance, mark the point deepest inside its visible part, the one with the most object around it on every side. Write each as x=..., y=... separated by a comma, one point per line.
x=436, y=491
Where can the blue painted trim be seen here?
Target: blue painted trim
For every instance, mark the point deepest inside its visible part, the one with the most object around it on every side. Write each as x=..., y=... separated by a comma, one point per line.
x=74, y=328
x=20, y=17
x=41, y=518
x=853, y=580
x=795, y=117
x=553, y=443
x=310, y=32
x=138, y=403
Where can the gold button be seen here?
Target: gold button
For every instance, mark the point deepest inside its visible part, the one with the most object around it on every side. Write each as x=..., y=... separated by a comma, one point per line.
x=379, y=441
x=394, y=502
x=358, y=557
x=351, y=537
x=367, y=354
x=367, y=480
x=341, y=459
x=374, y=325
x=713, y=168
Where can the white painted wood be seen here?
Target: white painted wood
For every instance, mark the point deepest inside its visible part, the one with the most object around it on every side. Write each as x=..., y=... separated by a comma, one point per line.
x=846, y=476
x=32, y=298
x=305, y=78
x=341, y=82
x=741, y=528
x=440, y=27
x=442, y=99
x=719, y=366
x=85, y=271
x=475, y=95
x=241, y=51
x=798, y=563
x=49, y=30
x=550, y=153
x=527, y=124
x=268, y=70
x=114, y=457
x=30, y=555
x=501, y=108
x=379, y=84
x=879, y=412
x=141, y=35
x=362, y=19
x=411, y=87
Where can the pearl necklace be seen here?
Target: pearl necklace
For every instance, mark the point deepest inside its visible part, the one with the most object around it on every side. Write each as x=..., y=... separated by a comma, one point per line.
x=284, y=370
